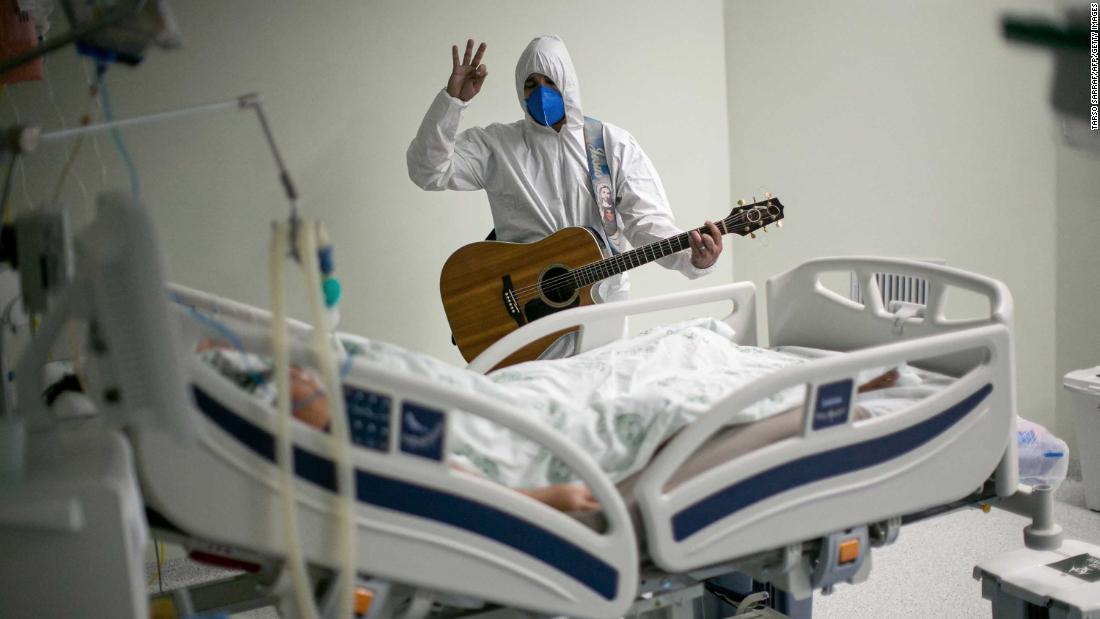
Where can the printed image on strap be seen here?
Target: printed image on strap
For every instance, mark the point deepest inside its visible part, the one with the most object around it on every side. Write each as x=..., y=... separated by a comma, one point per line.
x=602, y=188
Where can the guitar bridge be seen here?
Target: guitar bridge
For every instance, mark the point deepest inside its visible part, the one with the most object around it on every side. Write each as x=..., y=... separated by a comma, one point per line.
x=508, y=295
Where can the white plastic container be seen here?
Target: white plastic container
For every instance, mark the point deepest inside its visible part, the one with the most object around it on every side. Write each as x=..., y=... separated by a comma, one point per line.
x=1084, y=385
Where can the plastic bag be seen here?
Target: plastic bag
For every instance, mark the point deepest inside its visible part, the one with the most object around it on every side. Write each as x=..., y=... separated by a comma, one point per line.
x=1044, y=458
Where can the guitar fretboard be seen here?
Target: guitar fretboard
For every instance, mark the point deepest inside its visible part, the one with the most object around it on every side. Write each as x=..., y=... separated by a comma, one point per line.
x=592, y=273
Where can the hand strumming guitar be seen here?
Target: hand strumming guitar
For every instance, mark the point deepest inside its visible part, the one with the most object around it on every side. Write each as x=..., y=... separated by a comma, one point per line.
x=467, y=76
x=705, y=248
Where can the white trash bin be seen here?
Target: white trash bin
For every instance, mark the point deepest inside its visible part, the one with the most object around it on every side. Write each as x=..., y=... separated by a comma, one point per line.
x=1084, y=385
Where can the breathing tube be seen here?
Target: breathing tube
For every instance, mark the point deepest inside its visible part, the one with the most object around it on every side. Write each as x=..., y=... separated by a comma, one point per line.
x=315, y=264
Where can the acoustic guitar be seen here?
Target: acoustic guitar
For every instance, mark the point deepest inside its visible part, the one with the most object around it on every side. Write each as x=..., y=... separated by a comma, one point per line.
x=492, y=288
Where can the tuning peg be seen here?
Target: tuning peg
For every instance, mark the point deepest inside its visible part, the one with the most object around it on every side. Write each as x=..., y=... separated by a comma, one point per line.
x=768, y=195
x=752, y=235
x=779, y=224
x=754, y=199
x=740, y=203
x=765, y=229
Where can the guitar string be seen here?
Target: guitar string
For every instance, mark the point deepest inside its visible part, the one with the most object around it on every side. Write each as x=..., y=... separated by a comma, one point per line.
x=555, y=283
x=595, y=266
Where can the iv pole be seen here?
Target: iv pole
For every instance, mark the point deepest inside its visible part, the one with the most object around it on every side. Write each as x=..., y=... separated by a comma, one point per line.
x=30, y=137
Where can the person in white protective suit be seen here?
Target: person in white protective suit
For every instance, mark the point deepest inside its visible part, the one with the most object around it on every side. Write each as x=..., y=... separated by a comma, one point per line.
x=535, y=171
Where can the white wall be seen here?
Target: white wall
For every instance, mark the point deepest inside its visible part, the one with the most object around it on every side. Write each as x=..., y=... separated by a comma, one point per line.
x=1078, y=279
x=346, y=84
x=904, y=129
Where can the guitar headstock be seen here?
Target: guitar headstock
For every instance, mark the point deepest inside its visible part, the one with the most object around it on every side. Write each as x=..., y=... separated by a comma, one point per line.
x=745, y=219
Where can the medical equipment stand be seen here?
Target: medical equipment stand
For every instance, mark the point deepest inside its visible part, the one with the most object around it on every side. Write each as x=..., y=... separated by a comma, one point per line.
x=72, y=522
x=1051, y=578
x=1062, y=583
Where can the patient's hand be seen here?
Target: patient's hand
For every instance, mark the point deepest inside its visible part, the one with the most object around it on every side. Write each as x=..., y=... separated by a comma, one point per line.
x=565, y=497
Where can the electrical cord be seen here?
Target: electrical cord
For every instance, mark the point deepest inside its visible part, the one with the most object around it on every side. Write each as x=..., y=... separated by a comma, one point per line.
x=116, y=137
x=5, y=196
x=70, y=158
x=94, y=89
x=19, y=164
x=160, y=575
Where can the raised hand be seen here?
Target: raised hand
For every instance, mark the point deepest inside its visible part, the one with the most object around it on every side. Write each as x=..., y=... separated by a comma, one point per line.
x=467, y=76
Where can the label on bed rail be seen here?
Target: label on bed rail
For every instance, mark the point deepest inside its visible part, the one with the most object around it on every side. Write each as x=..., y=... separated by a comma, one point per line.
x=832, y=404
x=422, y=431
x=368, y=418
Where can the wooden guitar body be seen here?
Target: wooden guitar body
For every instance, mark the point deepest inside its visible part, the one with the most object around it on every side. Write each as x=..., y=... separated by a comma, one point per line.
x=492, y=288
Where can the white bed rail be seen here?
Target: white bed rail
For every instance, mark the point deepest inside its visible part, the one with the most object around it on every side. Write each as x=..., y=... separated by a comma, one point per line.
x=178, y=482
x=803, y=312
x=786, y=492
x=605, y=322
x=251, y=324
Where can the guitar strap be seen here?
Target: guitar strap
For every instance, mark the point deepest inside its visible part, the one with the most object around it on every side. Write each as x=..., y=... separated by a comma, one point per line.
x=603, y=190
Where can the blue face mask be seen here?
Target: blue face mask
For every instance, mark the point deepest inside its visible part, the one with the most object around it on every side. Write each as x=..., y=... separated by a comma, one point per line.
x=546, y=106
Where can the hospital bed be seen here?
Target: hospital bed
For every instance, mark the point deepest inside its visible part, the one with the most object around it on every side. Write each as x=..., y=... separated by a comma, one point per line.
x=799, y=507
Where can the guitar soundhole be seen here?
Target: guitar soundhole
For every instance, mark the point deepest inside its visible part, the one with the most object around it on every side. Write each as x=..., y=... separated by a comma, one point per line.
x=557, y=286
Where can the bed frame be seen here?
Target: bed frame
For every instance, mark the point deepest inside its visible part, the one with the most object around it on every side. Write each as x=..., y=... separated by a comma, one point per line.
x=425, y=526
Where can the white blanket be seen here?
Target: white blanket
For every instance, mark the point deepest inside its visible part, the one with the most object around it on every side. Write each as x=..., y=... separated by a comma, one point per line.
x=618, y=403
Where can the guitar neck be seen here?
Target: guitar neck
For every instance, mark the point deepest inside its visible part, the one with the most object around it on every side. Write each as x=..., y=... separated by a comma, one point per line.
x=743, y=220
x=608, y=267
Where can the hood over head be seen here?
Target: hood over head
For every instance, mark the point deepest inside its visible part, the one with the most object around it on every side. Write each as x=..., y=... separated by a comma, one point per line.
x=547, y=55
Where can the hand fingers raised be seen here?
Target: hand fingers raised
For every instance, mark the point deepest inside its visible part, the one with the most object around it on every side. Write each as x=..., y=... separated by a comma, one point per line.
x=454, y=57
x=480, y=52
x=469, y=51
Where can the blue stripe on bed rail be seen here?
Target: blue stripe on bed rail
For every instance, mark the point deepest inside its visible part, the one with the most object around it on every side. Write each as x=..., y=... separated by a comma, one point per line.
x=423, y=502
x=818, y=467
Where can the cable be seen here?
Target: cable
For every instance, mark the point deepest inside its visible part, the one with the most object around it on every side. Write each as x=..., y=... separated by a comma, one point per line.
x=225, y=331
x=74, y=350
x=93, y=89
x=65, y=169
x=284, y=438
x=5, y=198
x=160, y=576
x=338, y=420
x=70, y=158
x=19, y=164
x=160, y=562
x=5, y=317
x=116, y=137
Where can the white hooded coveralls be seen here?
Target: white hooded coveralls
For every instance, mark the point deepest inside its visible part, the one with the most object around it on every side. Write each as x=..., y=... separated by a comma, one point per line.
x=536, y=178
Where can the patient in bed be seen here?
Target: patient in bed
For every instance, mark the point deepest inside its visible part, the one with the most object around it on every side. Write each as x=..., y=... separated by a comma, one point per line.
x=619, y=403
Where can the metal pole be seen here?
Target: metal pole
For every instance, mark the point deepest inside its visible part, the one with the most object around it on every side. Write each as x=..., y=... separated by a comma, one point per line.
x=66, y=134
